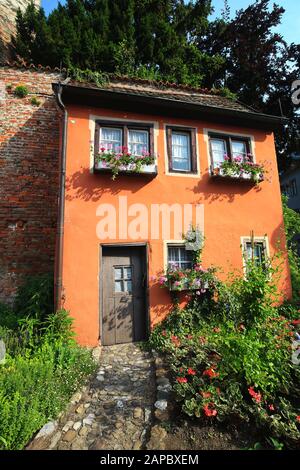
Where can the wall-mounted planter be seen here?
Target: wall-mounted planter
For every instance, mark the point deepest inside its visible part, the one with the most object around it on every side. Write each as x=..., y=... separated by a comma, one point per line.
x=145, y=170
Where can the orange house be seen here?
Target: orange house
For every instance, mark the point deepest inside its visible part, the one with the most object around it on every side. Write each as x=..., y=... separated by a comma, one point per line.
x=115, y=235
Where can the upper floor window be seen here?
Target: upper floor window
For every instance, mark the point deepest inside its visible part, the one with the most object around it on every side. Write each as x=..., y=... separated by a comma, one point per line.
x=136, y=137
x=180, y=257
x=225, y=147
x=181, y=144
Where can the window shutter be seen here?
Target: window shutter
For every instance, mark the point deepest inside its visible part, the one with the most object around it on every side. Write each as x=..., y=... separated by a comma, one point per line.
x=125, y=136
x=193, y=151
x=169, y=147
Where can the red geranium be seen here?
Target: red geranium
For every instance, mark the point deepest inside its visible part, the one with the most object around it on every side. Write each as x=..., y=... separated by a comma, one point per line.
x=298, y=418
x=182, y=380
x=211, y=373
x=191, y=371
x=209, y=410
x=217, y=329
x=271, y=407
x=175, y=340
x=255, y=395
x=205, y=394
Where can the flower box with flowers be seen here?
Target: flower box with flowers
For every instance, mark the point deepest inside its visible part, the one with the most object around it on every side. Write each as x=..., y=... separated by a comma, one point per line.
x=239, y=169
x=196, y=279
x=124, y=162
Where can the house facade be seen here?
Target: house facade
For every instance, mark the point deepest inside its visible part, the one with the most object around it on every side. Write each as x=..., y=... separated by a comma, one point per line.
x=118, y=232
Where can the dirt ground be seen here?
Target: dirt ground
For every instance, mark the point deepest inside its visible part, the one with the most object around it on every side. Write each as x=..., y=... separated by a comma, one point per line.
x=190, y=435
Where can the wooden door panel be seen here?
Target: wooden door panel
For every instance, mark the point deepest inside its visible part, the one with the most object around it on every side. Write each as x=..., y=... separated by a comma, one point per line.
x=123, y=295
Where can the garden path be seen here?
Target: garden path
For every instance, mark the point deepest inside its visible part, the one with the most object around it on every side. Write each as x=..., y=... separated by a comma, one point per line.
x=115, y=411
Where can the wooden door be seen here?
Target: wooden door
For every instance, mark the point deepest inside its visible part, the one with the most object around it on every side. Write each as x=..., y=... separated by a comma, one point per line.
x=123, y=295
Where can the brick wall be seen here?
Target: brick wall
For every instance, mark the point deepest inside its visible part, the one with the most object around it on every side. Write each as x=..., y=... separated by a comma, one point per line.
x=29, y=154
x=8, y=10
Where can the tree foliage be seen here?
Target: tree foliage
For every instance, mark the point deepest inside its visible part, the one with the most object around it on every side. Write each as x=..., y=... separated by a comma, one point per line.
x=173, y=40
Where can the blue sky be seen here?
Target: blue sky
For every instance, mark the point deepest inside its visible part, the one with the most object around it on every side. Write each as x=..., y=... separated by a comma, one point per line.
x=290, y=27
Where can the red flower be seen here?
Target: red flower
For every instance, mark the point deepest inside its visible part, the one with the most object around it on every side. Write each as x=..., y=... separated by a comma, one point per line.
x=202, y=340
x=182, y=380
x=102, y=149
x=298, y=419
x=175, y=340
x=205, y=394
x=210, y=373
x=209, y=410
x=191, y=371
x=271, y=407
x=241, y=327
x=217, y=329
x=189, y=337
x=255, y=395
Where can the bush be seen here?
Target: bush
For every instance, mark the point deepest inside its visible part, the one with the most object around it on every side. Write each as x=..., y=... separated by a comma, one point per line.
x=21, y=91
x=43, y=366
x=35, y=297
x=230, y=357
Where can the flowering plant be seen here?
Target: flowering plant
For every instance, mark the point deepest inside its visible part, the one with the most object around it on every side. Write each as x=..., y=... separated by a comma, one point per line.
x=121, y=159
x=197, y=278
x=241, y=167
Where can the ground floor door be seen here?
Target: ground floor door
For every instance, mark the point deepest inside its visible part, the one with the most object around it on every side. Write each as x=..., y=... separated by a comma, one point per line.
x=123, y=294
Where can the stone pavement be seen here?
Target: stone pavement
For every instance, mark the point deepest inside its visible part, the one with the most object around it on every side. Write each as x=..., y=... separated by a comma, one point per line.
x=115, y=411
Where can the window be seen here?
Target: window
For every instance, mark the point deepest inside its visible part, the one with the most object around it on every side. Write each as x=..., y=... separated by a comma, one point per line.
x=123, y=278
x=110, y=138
x=138, y=141
x=181, y=144
x=255, y=251
x=228, y=147
x=137, y=137
x=180, y=257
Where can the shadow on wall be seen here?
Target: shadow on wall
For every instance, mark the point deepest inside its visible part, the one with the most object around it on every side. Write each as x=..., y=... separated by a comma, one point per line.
x=85, y=185
x=219, y=190
x=29, y=156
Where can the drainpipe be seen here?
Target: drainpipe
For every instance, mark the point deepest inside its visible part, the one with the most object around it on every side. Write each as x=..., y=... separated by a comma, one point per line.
x=58, y=283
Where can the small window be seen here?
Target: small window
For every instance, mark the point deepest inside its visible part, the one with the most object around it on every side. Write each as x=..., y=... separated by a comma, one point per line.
x=123, y=278
x=179, y=257
x=181, y=145
x=223, y=147
x=255, y=252
x=138, y=141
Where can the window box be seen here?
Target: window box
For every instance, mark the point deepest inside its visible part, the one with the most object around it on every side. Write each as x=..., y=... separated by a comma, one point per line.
x=219, y=172
x=124, y=148
x=102, y=167
x=231, y=159
x=187, y=285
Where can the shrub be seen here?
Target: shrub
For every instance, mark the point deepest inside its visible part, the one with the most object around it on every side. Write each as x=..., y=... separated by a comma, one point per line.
x=35, y=297
x=34, y=101
x=43, y=365
x=21, y=91
x=230, y=356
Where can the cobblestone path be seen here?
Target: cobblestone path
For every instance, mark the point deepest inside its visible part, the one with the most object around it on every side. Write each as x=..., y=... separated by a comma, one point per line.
x=115, y=411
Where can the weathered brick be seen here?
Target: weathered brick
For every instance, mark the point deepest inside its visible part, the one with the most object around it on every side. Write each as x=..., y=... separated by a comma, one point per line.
x=29, y=156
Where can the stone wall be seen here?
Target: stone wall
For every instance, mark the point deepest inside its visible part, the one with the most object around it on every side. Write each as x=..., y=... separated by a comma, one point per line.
x=29, y=155
x=8, y=10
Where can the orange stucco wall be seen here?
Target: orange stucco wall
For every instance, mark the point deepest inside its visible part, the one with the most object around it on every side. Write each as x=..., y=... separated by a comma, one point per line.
x=231, y=210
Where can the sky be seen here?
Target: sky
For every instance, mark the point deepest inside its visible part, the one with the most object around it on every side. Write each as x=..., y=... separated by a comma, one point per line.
x=290, y=27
